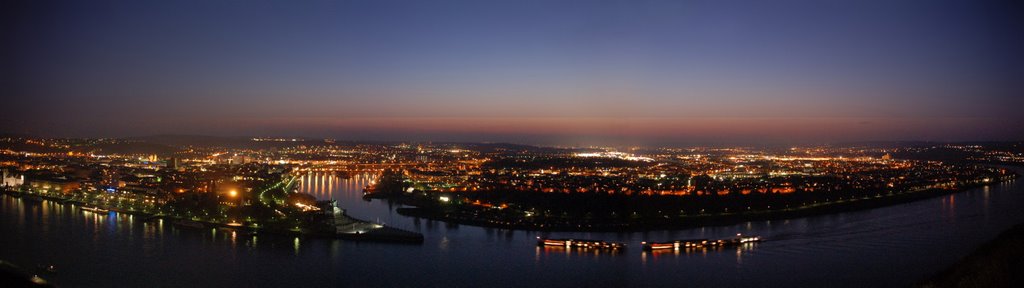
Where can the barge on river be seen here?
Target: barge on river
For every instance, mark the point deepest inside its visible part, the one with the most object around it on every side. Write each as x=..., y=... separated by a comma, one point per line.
x=580, y=243
x=94, y=209
x=701, y=243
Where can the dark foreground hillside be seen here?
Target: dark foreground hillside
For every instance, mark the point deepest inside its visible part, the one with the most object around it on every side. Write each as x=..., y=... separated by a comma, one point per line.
x=998, y=263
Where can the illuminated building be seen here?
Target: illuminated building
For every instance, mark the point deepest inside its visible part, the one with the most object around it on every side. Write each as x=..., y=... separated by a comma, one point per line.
x=54, y=185
x=11, y=180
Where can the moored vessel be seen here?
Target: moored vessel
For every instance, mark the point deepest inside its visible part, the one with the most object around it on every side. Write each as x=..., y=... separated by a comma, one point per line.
x=189, y=224
x=580, y=243
x=95, y=209
x=700, y=243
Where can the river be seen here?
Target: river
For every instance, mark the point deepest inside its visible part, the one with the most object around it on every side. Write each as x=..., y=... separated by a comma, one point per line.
x=892, y=246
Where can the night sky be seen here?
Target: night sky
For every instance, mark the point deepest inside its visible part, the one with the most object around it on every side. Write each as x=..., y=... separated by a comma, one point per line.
x=545, y=72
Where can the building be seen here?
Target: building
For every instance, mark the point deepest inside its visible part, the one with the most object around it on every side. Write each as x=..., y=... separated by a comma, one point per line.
x=174, y=163
x=12, y=180
x=53, y=185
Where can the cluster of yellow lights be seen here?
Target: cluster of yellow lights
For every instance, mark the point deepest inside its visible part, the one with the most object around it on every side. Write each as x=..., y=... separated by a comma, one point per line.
x=619, y=155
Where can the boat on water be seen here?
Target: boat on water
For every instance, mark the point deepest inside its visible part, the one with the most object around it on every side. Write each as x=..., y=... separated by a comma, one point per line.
x=700, y=243
x=580, y=243
x=48, y=268
x=95, y=209
x=369, y=190
x=189, y=224
x=235, y=231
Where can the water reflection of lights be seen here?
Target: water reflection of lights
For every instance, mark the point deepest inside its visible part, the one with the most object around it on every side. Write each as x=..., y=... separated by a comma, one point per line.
x=324, y=185
x=739, y=255
x=443, y=244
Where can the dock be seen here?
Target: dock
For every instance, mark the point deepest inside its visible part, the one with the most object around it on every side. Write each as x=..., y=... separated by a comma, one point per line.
x=346, y=227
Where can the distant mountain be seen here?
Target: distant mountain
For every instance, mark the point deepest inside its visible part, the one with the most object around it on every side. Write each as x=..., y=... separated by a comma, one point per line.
x=14, y=135
x=23, y=146
x=128, y=148
x=888, y=144
x=216, y=141
x=510, y=147
x=197, y=140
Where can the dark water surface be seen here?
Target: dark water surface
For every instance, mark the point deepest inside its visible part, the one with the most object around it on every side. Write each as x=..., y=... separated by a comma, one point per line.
x=893, y=246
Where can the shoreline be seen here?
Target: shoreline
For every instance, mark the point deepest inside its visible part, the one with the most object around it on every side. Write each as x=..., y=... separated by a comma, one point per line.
x=390, y=234
x=686, y=222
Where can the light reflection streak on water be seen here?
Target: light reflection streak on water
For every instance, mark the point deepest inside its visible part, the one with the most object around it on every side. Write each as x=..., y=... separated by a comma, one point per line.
x=327, y=186
x=335, y=249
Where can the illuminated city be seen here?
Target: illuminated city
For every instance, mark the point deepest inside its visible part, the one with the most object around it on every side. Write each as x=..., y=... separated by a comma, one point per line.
x=501, y=185
x=511, y=143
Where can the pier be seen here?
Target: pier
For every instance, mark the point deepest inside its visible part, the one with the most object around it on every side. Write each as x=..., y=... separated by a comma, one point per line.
x=347, y=227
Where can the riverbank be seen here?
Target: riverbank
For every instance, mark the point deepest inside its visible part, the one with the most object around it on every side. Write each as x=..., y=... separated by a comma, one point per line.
x=684, y=222
x=380, y=233
x=998, y=263
x=14, y=276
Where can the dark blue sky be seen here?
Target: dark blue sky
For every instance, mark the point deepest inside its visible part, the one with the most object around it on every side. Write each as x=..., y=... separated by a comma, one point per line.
x=524, y=71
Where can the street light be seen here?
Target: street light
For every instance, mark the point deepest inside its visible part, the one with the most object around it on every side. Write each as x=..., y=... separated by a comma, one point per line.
x=233, y=193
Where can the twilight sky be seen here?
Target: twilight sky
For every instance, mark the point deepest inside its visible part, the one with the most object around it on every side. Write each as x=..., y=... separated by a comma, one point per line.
x=553, y=72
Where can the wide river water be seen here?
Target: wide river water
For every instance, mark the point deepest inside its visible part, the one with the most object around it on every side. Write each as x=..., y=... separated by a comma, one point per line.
x=892, y=246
